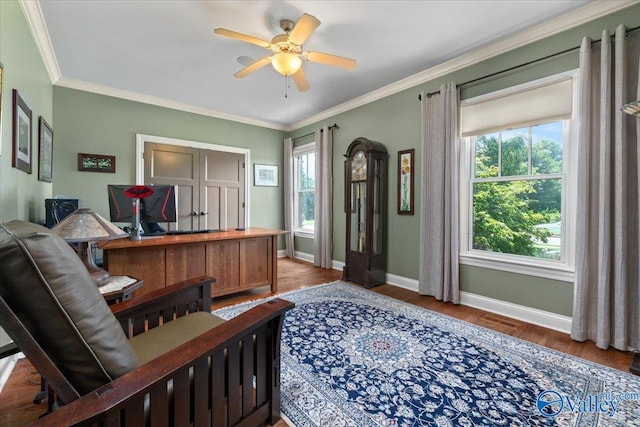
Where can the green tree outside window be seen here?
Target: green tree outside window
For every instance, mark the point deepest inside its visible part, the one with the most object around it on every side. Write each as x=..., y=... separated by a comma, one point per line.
x=517, y=191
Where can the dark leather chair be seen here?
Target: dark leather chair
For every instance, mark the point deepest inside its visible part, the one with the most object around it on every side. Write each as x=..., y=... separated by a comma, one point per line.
x=159, y=359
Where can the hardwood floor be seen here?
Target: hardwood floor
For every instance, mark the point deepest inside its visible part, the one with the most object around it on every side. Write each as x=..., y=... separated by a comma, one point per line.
x=17, y=408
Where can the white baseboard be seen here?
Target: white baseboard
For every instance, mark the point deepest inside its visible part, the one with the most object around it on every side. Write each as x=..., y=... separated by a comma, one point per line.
x=535, y=316
x=6, y=367
x=402, y=282
x=303, y=256
x=538, y=317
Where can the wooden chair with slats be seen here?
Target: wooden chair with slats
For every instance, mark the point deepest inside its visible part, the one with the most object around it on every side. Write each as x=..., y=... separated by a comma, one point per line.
x=160, y=359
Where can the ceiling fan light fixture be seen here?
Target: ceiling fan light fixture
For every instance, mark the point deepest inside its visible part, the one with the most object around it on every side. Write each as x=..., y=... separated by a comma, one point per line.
x=287, y=54
x=286, y=63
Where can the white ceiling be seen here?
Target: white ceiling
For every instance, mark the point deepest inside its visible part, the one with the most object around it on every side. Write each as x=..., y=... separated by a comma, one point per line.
x=167, y=51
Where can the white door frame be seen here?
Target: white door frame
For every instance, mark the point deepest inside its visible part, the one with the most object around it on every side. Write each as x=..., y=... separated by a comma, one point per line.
x=142, y=138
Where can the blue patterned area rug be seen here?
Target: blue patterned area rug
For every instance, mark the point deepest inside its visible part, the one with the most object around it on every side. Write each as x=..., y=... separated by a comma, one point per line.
x=352, y=357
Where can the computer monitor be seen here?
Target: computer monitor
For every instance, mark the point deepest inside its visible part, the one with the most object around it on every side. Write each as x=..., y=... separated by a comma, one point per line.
x=159, y=207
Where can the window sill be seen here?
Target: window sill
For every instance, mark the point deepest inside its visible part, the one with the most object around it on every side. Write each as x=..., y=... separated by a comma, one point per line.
x=304, y=234
x=555, y=272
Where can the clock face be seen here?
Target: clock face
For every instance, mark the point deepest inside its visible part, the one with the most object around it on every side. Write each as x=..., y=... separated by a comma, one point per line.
x=359, y=167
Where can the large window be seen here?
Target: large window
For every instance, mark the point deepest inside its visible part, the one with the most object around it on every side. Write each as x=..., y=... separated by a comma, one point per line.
x=517, y=188
x=304, y=185
x=517, y=185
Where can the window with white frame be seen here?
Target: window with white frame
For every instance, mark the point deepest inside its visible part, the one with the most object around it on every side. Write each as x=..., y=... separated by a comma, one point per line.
x=517, y=184
x=304, y=184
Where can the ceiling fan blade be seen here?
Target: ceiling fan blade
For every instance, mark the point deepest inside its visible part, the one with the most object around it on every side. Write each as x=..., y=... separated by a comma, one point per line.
x=256, y=65
x=243, y=37
x=306, y=25
x=328, y=59
x=301, y=81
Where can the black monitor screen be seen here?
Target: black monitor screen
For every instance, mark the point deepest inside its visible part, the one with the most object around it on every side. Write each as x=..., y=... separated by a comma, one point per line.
x=159, y=207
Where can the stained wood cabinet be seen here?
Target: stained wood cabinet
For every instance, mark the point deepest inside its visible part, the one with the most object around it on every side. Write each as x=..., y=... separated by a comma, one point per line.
x=239, y=260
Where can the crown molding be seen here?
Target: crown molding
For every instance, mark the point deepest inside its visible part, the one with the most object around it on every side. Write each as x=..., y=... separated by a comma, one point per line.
x=160, y=102
x=554, y=26
x=35, y=20
x=599, y=8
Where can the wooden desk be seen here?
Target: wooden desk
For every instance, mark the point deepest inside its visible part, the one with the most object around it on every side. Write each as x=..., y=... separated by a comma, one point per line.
x=239, y=260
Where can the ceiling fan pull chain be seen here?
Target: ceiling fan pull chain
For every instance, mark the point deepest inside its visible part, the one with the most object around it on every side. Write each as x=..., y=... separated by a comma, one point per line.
x=287, y=83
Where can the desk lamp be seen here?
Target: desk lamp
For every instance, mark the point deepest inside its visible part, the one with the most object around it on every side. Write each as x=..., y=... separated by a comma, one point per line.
x=136, y=193
x=84, y=226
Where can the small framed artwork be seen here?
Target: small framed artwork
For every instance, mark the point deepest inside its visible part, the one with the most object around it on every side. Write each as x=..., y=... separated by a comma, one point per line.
x=96, y=163
x=45, y=144
x=265, y=175
x=21, y=134
x=405, y=181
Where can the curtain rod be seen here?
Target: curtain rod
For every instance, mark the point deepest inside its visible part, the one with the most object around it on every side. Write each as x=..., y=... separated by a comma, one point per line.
x=544, y=58
x=333, y=126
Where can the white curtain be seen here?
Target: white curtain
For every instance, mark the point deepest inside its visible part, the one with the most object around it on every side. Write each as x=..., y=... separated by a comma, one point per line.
x=323, y=198
x=606, y=299
x=288, y=197
x=439, y=217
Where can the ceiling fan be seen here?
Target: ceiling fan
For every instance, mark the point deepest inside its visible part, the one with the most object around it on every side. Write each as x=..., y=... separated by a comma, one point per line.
x=287, y=50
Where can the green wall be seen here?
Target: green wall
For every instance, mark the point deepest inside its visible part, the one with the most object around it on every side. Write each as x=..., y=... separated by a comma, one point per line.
x=92, y=123
x=395, y=122
x=21, y=194
x=87, y=122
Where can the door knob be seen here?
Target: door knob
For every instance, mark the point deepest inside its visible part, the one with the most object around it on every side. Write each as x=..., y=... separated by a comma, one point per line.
x=194, y=213
x=203, y=213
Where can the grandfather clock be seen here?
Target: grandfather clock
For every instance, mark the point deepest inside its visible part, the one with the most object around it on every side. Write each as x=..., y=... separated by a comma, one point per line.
x=366, y=208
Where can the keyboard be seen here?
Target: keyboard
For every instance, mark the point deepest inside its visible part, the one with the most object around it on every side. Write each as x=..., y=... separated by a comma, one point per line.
x=154, y=233
x=173, y=232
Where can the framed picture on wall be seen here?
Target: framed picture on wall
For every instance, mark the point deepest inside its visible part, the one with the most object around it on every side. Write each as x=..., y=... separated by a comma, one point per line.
x=405, y=181
x=265, y=175
x=96, y=163
x=45, y=151
x=21, y=134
